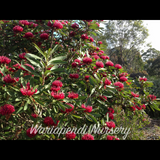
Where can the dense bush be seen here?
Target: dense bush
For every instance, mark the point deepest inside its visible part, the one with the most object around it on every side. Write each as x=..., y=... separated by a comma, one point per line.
x=53, y=73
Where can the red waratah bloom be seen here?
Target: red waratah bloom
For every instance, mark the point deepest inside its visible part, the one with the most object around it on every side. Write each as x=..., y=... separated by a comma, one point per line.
x=72, y=95
x=87, y=137
x=7, y=109
x=119, y=85
x=84, y=36
x=74, y=75
x=152, y=97
x=57, y=83
x=87, y=60
x=118, y=66
x=139, y=108
x=22, y=55
x=109, y=137
x=103, y=98
x=67, y=110
x=97, y=48
x=31, y=132
x=70, y=135
x=74, y=64
x=75, y=25
x=96, y=57
x=31, y=24
x=142, y=79
x=44, y=36
x=57, y=24
x=123, y=74
x=54, y=88
x=17, y=29
x=103, y=57
x=110, y=124
x=48, y=121
x=99, y=64
x=133, y=108
x=27, y=91
x=23, y=22
x=123, y=79
x=134, y=94
x=57, y=95
x=110, y=115
x=99, y=42
x=91, y=39
x=4, y=60
x=72, y=33
x=111, y=110
x=109, y=63
x=107, y=82
x=8, y=79
x=87, y=109
x=28, y=35
x=86, y=77
x=143, y=106
x=34, y=115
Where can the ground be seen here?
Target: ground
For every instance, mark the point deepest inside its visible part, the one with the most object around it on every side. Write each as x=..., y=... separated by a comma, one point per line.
x=152, y=130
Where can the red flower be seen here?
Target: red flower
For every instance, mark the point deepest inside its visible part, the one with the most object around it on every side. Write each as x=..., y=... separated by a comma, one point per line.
x=109, y=63
x=54, y=88
x=44, y=36
x=34, y=115
x=142, y=79
x=119, y=85
x=103, y=98
x=109, y=137
x=152, y=97
x=111, y=110
x=110, y=115
x=23, y=22
x=118, y=66
x=31, y=132
x=104, y=57
x=7, y=109
x=48, y=121
x=99, y=42
x=139, y=108
x=57, y=83
x=133, y=108
x=96, y=57
x=99, y=64
x=67, y=110
x=87, y=137
x=134, y=95
x=72, y=95
x=17, y=29
x=123, y=79
x=77, y=60
x=4, y=60
x=110, y=124
x=75, y=25
x=28, y=66
x=70, y=135
x=27, y=91
x=88, y=108
x=72, y=34
x=84, y=36
x=91, y=39
x=143, y=106
x=86, y=77
x=57, y=24
x=107, y=82
x=8, y=79
x=87, y=60
x=74, y=64
x=123, y=74
x=22, y=55
x=74, y=75
x=1, y=73
x=57, y=95
x=28, y=35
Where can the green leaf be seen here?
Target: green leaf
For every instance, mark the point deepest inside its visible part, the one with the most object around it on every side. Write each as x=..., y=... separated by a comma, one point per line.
x=17, y=74
x=19, y=110
x=28, y=55
x=52, y=51
x=34, y=62
x=95, y=114
x=26, y=106
x=62, y=106
x=57, y=62
x=150, y=84
x=93, y=118
x=39, y=50
x=76, y=116
x=58, y=70
x=92, y=80
x=60, y=58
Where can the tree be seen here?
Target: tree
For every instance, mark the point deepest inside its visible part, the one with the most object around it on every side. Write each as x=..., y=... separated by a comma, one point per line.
x=127, y=35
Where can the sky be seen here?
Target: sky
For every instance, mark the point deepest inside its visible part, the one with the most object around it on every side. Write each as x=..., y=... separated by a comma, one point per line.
x=153, y=27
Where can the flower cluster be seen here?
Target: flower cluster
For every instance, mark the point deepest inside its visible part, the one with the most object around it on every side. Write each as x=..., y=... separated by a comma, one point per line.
x=9, y=79
x=4, y=60
x=27, y=91
x=72, y=95
x=7, y=109
x=87, y=109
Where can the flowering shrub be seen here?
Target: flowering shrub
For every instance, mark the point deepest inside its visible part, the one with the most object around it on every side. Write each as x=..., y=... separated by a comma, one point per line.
x=50, y=77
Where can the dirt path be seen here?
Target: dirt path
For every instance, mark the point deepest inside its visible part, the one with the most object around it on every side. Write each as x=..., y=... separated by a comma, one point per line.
x=152, y=130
